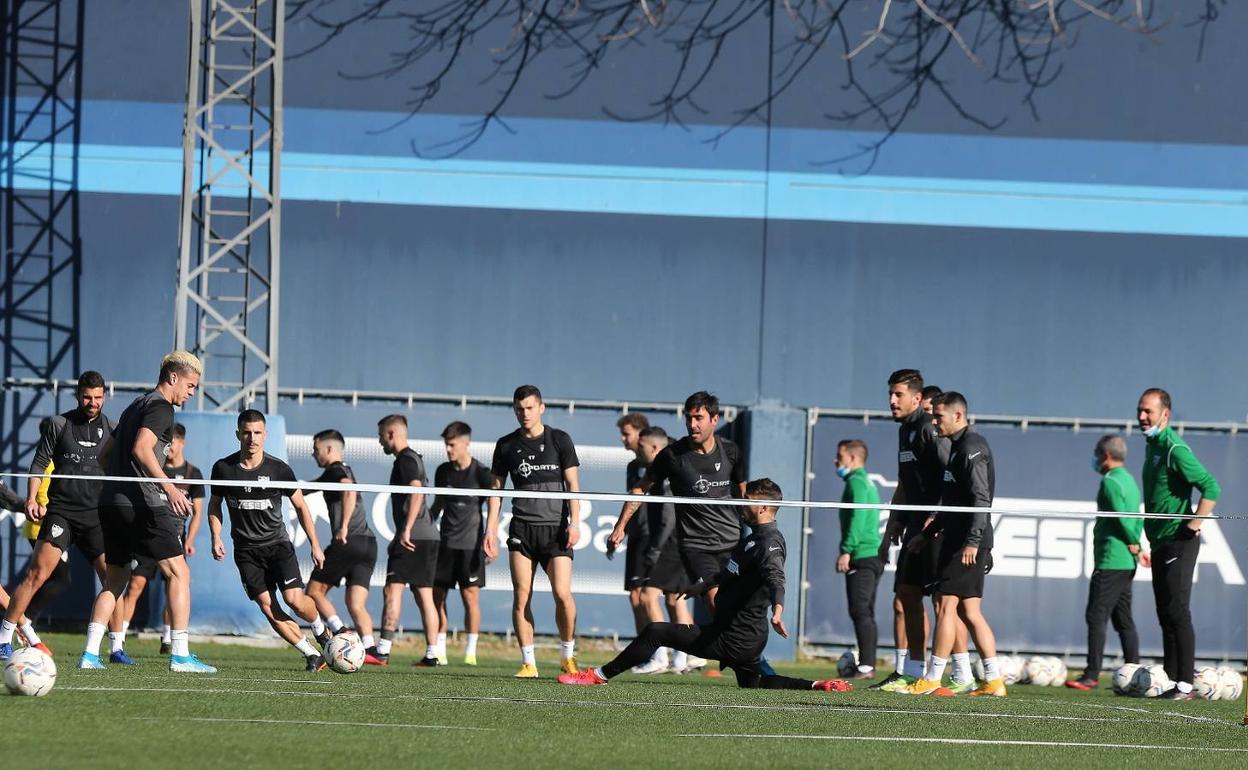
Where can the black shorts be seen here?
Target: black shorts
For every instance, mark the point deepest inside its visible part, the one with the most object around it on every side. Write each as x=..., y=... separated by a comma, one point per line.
x=117, y=528
x=130, y=533
x=460, y=568
x=917, y=569
x=703, y=565
x=414, y=568
x=538, y=542
x=145, y=567
x=635, y=572
x=268, y=567
x=955, y=579
x=353, y=560
x=83, y=531
x=668, y=573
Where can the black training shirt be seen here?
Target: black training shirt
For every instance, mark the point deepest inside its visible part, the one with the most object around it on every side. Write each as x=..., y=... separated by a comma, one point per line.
x=536, y=464
x=72, y=443
x=462, y=526
x=256, y=516
x=714, y=476
x=149, y=411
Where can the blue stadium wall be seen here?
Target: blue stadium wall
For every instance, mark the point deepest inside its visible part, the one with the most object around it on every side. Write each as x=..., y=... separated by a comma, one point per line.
x=1057, y=265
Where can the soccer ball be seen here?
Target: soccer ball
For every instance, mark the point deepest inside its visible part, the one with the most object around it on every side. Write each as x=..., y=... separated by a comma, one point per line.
x=1011, y=667
x=29, y=672
x=1040, y=671
x=345, y=652
x=977, y=669
x=1208, y=684
x=1231, y=684
x=1059, y=671
x=1150, y=681
x=847, y=664
x=1123, y=678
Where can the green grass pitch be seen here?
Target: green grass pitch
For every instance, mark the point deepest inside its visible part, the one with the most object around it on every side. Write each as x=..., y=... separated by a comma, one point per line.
x=262, y=710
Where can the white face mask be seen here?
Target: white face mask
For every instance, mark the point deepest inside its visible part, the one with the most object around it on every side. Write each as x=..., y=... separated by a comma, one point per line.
x=1151, y=432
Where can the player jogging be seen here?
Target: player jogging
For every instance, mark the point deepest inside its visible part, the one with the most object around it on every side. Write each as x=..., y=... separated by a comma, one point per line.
x=262, y=549
x=542, y=532
x=750, y=598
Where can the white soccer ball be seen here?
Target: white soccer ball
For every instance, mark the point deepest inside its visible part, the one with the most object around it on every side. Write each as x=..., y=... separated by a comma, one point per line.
x=1123, y=678
x=977, y=669
x=1150, y=681
x=29, y=672
x=1231, y=684
x=1208, y=684
x=345, y=652
x=847, y=664
x=1040, y=671
x=1011, y=667
x=1059, y=672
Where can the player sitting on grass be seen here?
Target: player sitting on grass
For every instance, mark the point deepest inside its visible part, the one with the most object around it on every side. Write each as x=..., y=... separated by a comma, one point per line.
x=751, y=581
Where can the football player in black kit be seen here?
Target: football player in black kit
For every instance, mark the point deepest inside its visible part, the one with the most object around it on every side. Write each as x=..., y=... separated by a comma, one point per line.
x=262, y=549
x=698, y=465
x=965, y=551
x=542, y=532
x=71, y=442
x=751, y=583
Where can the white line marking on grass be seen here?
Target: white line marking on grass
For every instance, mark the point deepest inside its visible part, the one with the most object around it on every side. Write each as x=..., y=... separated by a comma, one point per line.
x=1200, y=719
x=199, y=691
x=163, y=677
x=311, y=722
x=969, y=742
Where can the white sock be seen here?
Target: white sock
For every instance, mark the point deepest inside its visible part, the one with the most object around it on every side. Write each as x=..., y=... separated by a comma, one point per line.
x=527, y=656
x=471, y=647
x=28, y=631
x=567, y=649
x=1184, y=687
x=442, y=643
x=306, y=648
x=431, y=650
x=166, y=634
x=116, y=641
x=991, y=671
x=680, y=660
x=368, y=641
x=660, y=657
x=181, y=641
x=935, y=669
x=95, y=635
x=962, y=667
x=125, y=626
x=318, y=626
x=6, y=632
x=334, y=623
x=914, y=668
x=383, y=646
x=899, y=659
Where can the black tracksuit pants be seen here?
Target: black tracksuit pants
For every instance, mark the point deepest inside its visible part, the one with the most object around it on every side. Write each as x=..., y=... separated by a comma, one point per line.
x=1109, y=598
x=743, y=656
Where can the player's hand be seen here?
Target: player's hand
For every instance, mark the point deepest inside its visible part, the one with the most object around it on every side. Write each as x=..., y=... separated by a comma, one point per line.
x=179, y=503
x=1194, y=526
x=1146, y=559
x=917, y=543
x=842, y=563
x=341, y=537
x=318, y=558
x=697, y=589
x=574, y=534
x=968, y=555
x=218, y=550
x=35, y=511
x=490, y=546
x=1134, y=548
x=406, y=541
x=615, y=538
x=777, y=621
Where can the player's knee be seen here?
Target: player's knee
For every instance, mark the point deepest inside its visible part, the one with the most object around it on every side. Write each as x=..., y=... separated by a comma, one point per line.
x=749, y=680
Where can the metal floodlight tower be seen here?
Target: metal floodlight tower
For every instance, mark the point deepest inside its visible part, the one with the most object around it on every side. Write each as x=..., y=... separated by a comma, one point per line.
x=229, y=246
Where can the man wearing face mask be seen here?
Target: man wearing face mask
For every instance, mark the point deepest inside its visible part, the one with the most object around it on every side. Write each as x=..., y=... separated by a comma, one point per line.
x=1171, y=472
x=859, y=560
x=1115, y=546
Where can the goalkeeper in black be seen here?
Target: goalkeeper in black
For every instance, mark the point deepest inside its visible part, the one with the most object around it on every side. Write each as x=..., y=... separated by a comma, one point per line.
x=750, y=584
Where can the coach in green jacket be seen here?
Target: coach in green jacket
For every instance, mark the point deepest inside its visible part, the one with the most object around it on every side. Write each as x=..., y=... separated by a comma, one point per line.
x=1171, y=472
x=859, y=558
x=1115, y=548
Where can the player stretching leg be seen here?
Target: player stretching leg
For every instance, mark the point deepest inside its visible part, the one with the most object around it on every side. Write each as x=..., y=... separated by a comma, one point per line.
x=262, y=550
x=752, y=581
x=542, y=532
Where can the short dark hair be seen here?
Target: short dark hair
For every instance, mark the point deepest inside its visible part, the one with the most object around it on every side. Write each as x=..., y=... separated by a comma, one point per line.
x=391, y=419
x=951, y=398
x=763, y=489
x=633, y=419
x=250, y=415
x=90, y=379
x=179, y=430
x=329, y=434
x=931, y=391
x=653, y=431
x=1111, y=446
x=703, y=400
x=1159, y=393
x=856, y=446
x=911, y=378
x=455, y=430
x=524, y=391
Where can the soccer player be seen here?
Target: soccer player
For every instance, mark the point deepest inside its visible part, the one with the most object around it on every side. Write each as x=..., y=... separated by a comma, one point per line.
x=176, y=467
x=640, y=599
x=72, y=442
x=461, y=556
x=859, y=560
x=1115, y=547
x=1171, y=472
x=965, y=555
x=699, y=465
x=352, y=551
x=262, y=549
x=541, y=532
x=145, y=517
x=413, y=553
x=751, y=583
x=930, y=392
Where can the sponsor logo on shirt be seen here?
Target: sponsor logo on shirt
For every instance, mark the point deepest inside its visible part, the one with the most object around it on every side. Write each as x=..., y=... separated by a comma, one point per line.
x=704, y=485
x=732, y=567
x=525, y=469
x=906, y=457
x=255, y=505
x=949, y=475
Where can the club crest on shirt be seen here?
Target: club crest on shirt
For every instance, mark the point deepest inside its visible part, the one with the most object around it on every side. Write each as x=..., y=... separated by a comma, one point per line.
x=99, y=433
x=732, y=567
x=750, y=545
x=716, y=466
x=949, y=475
